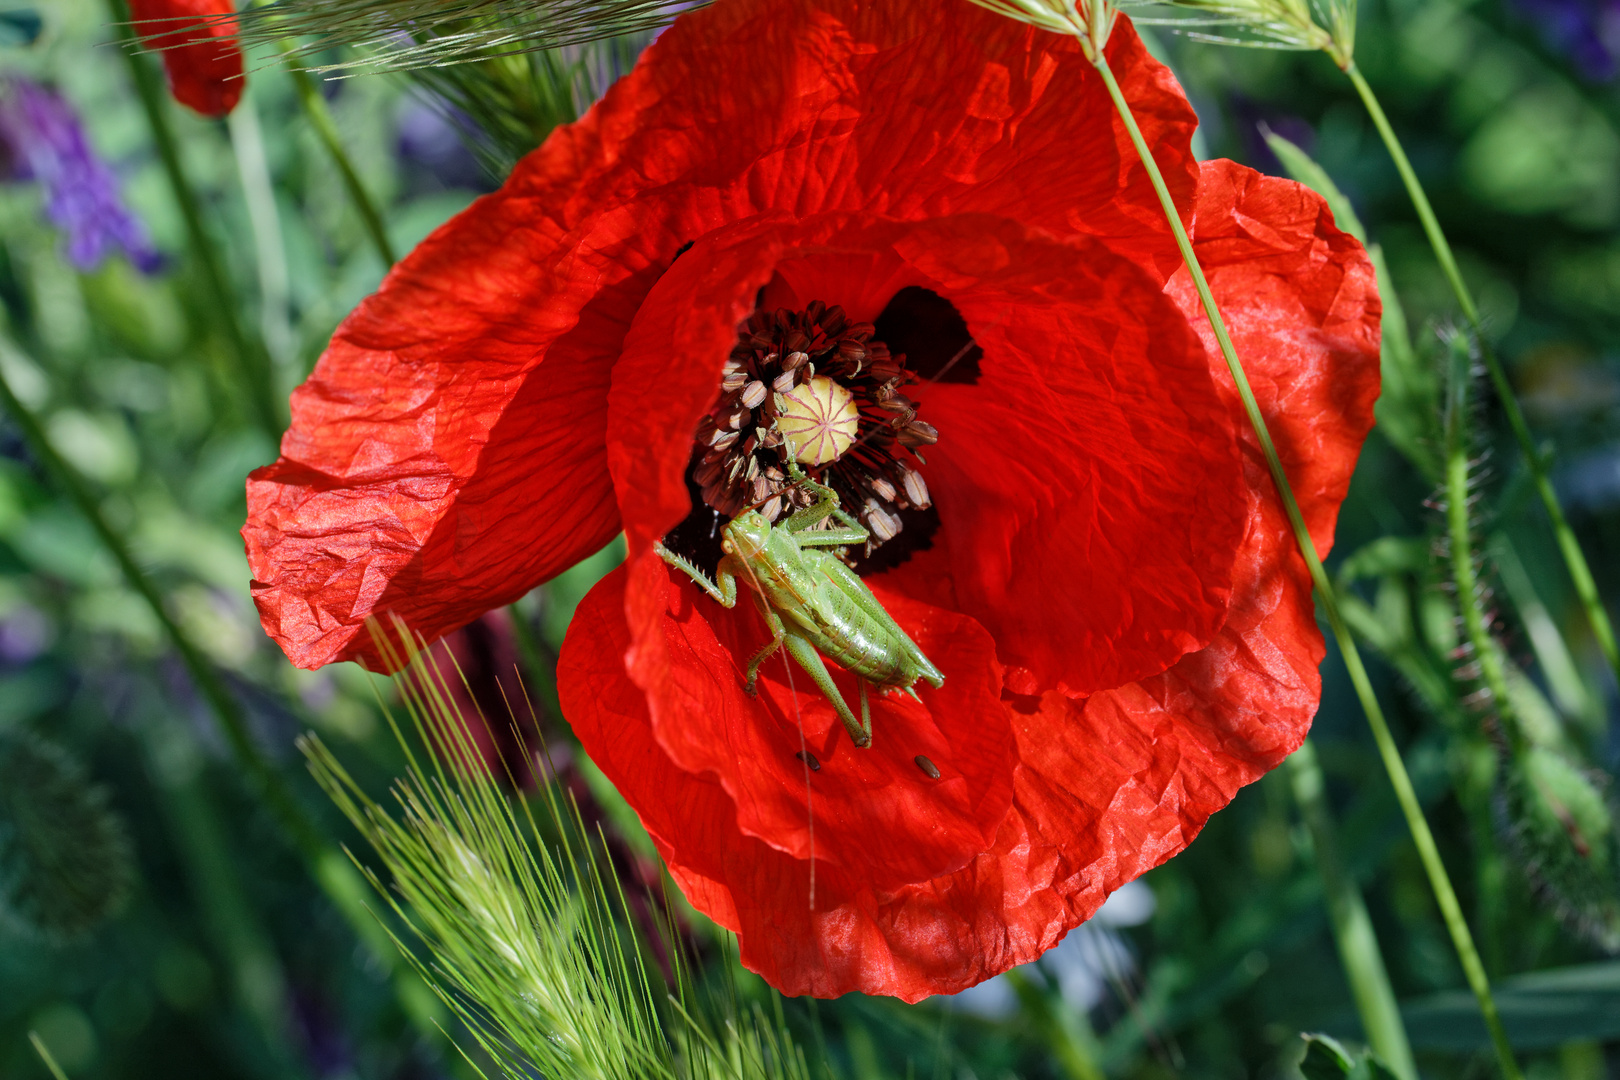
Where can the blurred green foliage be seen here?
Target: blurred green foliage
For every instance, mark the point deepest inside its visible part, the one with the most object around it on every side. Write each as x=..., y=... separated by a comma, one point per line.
x=227, y=961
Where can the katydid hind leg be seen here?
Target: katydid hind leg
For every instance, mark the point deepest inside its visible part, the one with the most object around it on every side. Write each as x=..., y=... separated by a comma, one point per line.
x=810, y=660
x=866, y=713
x=859, y=593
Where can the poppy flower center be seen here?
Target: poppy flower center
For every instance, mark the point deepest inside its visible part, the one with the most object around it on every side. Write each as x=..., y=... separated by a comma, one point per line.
x=814, y=387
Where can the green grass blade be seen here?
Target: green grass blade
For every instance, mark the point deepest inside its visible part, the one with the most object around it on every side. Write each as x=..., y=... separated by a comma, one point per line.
x=526, y=932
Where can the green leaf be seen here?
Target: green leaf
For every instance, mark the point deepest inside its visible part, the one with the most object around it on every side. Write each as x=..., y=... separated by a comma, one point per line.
x=1325, y=1059
x=1387, y=555
x=1542, y=1010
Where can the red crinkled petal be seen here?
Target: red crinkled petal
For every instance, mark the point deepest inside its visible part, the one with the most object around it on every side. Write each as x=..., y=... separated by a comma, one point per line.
x=1107, y=787
x=200, y=52
x=1087, y=484
x=1300, y=300
x=908, y=108
x=446, y=456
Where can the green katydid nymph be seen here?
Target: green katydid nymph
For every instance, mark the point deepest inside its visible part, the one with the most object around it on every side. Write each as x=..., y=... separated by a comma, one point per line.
x=813, y=603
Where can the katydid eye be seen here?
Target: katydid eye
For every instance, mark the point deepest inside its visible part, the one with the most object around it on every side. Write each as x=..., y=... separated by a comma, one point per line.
x=725, y=546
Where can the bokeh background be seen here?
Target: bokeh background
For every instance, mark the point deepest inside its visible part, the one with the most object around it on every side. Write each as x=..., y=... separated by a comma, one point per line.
x=155, y=920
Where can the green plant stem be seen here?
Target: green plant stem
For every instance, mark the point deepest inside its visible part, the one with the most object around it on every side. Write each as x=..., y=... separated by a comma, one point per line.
x=320, y=118
x=1352, y=926
x=44, y=1053
x=1459, y=533
x=260, y=985
x=1423, y=838
x=331, y=869
x=1579, y=571
x=250, y=354
x=539, y=665
x=258, y=192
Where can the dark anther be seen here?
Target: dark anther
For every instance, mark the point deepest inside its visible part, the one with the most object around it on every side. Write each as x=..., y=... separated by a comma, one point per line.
x=810, y=759
x=928, y=767
x=928, y=330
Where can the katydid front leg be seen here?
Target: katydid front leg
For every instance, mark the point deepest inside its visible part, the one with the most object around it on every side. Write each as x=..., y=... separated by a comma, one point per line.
x=725, y=594
x=826, y=505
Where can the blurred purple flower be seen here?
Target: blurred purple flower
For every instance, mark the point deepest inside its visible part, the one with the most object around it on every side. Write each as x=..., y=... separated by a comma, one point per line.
x=1586, y=31
x=24, y=634
x=41, y=139
x=1252, y=119
x=430, y=143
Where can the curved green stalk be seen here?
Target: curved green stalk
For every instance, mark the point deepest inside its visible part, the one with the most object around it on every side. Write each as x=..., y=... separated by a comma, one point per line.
x=326, y=863
x=1352, y=926
x=1574, y=558
x=1422, y=837
x=44, y=1053
x=320, y=118
x=250, y=354
x=258, y=192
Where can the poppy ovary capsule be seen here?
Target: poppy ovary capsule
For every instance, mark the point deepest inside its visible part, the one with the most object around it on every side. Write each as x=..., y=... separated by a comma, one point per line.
x=819, y=419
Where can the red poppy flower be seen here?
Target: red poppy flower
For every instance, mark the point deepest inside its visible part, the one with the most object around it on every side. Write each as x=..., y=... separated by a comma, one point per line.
x=200, y=52
x=930, y=215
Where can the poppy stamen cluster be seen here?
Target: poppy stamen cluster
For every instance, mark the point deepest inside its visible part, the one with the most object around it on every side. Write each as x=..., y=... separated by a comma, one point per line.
x=813, y=385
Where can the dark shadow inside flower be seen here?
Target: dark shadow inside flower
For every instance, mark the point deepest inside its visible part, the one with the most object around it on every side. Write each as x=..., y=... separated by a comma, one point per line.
x=931, y=334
